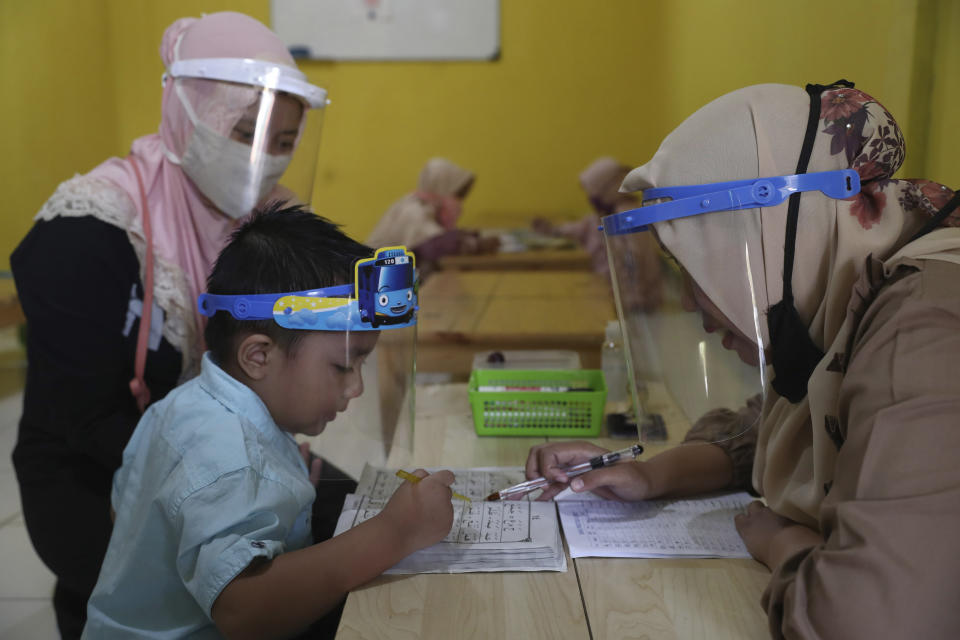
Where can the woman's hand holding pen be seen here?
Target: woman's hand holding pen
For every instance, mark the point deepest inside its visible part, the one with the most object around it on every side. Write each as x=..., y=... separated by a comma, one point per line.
x=421, y=513
x=691, y=469
x=627, y=481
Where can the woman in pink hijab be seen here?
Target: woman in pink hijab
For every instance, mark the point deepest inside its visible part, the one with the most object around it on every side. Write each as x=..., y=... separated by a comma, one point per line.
x=109, y=276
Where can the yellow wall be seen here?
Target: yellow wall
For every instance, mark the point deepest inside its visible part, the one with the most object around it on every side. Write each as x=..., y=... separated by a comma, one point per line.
x=942, y=141
x=576, y=79
x=57, y=106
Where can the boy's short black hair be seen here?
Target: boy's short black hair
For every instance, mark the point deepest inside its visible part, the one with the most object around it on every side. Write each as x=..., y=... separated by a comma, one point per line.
x=278, y=250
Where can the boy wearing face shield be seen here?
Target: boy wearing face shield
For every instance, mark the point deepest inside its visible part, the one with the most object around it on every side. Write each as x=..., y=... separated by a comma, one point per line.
x=837, y=284
x=109, y=274
x=214, y=500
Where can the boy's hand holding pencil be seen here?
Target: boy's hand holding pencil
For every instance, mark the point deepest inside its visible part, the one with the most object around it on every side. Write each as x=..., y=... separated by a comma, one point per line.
x=406, y=475
x=421, y=513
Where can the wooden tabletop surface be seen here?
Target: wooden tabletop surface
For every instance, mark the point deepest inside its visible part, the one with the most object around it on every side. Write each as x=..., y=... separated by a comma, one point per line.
x=595, y=598
x=467, y=312
x=531, y=260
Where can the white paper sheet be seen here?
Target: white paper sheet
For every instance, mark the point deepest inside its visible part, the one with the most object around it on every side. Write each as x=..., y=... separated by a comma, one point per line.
x=476, y=483
x=486, y=536
x=693, y=528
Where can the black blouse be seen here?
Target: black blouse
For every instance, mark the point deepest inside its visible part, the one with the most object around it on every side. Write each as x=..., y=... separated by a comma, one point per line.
x=78, y=281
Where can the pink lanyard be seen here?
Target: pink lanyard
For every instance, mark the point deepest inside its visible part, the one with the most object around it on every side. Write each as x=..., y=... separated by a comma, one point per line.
x=138, y=387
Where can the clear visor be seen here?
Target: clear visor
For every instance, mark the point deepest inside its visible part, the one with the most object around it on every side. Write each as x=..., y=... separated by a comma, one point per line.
x=244, y=145
x=692, y=337
x=377, y=425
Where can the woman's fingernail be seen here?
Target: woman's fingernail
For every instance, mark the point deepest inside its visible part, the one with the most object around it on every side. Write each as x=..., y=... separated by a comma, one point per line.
x=577, y=484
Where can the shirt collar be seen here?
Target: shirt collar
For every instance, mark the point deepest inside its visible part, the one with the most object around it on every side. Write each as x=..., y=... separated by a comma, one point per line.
x=238, y=398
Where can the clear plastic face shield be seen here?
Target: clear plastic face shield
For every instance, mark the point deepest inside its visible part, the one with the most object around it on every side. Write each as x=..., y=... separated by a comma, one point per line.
x=253, y=131
x=700, y=345
x=374, y=321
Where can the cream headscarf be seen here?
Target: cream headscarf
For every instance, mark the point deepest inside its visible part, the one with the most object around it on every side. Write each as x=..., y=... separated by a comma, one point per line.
x=428, y=212
x=758, y=132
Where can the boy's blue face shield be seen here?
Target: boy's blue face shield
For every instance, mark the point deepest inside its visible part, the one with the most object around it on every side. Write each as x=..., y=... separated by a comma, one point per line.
x=692, y=295
x=383, y=296
x=379, y=308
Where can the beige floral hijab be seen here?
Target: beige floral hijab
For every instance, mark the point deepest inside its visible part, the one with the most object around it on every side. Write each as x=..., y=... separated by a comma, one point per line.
x=758, y=131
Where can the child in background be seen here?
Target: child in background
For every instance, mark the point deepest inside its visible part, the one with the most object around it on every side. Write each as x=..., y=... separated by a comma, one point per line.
x=601, y=184
x=213, y=500
x=426, y=220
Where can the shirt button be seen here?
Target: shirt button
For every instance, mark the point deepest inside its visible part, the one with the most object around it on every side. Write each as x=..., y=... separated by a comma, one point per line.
x=257, y=544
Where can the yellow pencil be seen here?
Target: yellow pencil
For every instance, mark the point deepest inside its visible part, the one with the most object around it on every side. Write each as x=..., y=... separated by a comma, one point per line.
x=415, y=479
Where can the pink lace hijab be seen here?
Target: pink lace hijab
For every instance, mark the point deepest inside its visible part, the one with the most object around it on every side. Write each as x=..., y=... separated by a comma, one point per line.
x=188, y=233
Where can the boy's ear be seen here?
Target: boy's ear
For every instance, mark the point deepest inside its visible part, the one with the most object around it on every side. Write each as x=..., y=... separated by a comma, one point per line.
x=255, y=354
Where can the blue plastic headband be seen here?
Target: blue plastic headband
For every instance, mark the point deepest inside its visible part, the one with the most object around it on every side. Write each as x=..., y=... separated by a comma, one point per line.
x=729, y=196
x=383, y=298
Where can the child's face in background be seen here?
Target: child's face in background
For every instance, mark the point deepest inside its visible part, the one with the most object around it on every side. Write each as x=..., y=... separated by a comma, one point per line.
x=317, y=379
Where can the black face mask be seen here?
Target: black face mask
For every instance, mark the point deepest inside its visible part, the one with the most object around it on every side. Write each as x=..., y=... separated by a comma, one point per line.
x=793, y=354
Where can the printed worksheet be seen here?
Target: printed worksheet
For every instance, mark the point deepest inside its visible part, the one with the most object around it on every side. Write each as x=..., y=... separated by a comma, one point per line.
x=476, y=483
x=473, y=522
x=693, y=528
x=486, y=536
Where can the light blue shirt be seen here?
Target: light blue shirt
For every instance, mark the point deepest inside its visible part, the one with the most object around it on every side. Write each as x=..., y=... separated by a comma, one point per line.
x=208, y=483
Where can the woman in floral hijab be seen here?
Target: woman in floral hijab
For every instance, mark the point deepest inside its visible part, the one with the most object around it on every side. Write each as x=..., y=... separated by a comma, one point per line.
x=858, y=466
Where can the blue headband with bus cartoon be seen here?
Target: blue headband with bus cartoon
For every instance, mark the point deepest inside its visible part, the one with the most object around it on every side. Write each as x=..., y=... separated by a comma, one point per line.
x=383, y=297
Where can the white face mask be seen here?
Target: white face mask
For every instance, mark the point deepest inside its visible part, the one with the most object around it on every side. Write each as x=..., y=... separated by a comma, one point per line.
x=223, y=171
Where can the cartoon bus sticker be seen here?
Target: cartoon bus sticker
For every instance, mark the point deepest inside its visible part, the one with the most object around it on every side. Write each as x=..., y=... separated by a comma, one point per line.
x=385, y=287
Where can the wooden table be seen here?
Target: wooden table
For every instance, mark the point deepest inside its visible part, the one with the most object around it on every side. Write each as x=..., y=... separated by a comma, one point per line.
x=595, y=598
x=530, y=260
x=466, y=312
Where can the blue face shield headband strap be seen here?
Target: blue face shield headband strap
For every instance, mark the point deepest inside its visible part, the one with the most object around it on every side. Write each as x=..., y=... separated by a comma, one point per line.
x=382, y=297
x=729, y=196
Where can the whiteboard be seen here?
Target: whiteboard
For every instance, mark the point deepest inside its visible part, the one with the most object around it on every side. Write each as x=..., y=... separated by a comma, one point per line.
x=389, y=29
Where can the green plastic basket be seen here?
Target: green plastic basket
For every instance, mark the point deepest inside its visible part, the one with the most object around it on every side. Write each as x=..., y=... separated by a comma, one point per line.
x=538, y=413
